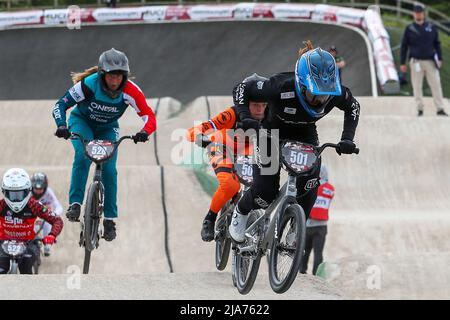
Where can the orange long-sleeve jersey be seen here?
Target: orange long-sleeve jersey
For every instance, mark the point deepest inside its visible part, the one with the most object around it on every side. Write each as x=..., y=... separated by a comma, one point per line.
x=222, y=129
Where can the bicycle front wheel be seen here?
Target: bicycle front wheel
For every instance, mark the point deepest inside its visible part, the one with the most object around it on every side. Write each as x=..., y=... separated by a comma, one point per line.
x=87, y=261
x=223, y=242
x=92, y=216
x=247, y=264
x=287, y=248
x=14, y=268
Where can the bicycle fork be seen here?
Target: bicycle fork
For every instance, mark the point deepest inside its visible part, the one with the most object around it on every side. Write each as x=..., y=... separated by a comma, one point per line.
x=97, y=179
x=291, y=192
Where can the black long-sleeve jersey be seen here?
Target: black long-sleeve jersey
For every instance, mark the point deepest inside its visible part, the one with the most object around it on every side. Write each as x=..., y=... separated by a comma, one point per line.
x=288, y=115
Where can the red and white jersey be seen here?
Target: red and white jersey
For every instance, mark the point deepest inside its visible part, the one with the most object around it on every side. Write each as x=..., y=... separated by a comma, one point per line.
x=20, y=226
x=134, y=97
x=323, y=201
x=49, y=200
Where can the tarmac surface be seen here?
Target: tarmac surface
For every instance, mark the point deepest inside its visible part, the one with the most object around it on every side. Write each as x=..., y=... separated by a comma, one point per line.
x=179, y=60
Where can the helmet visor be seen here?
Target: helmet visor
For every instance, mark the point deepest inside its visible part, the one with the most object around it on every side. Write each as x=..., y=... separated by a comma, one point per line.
x=16, y=195
x=38, y=185
x=316, y=99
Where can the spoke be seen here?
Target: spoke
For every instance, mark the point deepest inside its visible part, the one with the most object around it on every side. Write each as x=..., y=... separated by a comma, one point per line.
x=244, y=269
x=286, y=250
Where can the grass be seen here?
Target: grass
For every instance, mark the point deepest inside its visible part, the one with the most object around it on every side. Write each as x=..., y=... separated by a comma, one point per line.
x=209, y=183
x=395, y=29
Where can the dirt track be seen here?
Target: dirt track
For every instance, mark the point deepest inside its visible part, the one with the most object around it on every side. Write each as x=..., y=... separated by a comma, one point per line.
x=390, y=212
x=390, y=220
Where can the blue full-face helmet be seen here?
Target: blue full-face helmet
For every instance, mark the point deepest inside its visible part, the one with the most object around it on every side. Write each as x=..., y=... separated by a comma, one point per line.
x=316, y=79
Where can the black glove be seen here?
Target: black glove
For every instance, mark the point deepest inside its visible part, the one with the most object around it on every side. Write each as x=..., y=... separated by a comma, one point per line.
x=250, y=124
x=202, y=141
x=346, y=147
x=141, y=136
x=62, y=132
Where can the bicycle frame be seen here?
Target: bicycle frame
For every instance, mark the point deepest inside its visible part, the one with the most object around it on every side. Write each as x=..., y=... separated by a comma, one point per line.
x=287, y=196
x=98, y=159
x=99, y=162
x=14, y=258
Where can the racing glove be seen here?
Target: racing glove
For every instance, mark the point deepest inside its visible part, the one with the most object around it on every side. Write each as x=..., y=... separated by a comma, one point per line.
x=141, y=136
x=250, y=124
x=49, y=240
x=202, y=141
x=62, y=132
x=346, y=147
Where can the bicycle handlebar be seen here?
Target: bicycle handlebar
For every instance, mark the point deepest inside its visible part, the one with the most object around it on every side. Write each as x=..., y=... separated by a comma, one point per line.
x=333, y=145
x=319, y=149
x=83, y=140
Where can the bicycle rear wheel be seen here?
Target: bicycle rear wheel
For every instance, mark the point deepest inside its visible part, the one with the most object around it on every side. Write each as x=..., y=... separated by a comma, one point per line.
x=247, y=264
x=92, y=216
x=87, y=261
x=287, y=249
x=223, y=242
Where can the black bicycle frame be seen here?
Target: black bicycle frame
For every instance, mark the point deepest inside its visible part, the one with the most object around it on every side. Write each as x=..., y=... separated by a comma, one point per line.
x=288, y=197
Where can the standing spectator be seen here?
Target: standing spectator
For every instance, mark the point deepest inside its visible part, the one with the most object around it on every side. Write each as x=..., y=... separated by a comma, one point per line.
x=340, y=62
x=421, y=39
x=111, y=3
x=316, y=225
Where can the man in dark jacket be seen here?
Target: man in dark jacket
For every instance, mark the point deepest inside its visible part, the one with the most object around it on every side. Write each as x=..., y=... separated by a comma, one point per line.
x=425, y=59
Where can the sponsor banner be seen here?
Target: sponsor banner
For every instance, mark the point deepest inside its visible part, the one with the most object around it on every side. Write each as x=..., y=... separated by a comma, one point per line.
x=154, y=13
x=386, y=70
x=177, y=13
x=350, y=16
x=20, y=18
x=373, y=24
x=87, y=15
x=292, y=11
x=384, y=61
x=243, y=10
x=324, y=12
x=263, y=10
x=211, y=12
x=120, y=14
x=64, y=16
x=55, y=16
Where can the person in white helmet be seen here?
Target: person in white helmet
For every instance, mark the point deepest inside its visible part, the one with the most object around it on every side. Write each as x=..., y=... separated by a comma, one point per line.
x=18, y=214
x=45, y=195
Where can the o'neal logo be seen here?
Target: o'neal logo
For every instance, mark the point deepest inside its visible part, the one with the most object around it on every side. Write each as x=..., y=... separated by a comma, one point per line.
x=100, y=107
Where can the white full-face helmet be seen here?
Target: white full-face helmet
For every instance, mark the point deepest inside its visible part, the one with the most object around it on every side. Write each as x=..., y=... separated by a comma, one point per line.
x=16, y=186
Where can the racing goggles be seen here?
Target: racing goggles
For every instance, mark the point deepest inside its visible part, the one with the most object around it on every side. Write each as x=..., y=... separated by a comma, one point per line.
x=315, y=99
x=16, y=195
